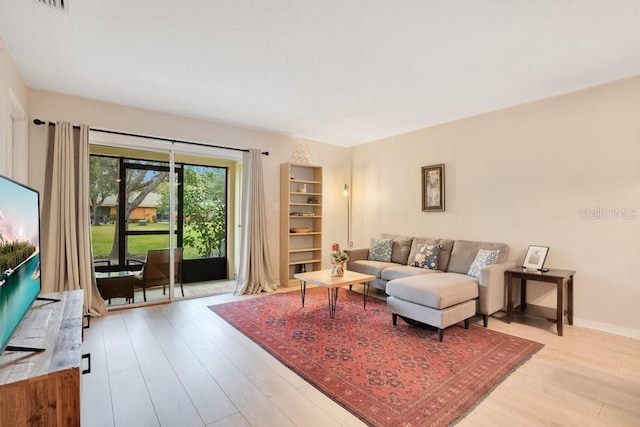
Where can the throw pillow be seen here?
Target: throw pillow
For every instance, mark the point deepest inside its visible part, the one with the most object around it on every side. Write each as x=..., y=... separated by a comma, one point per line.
x=484, y=257
x=401, y=247
x=426, y=257
x=400, y=251
x=380, y=249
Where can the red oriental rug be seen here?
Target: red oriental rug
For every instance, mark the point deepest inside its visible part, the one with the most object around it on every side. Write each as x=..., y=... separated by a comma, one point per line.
x=385, y=375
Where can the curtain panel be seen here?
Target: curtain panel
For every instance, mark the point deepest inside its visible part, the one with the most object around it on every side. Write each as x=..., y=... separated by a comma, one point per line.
x=255, y=273
x=67, y=261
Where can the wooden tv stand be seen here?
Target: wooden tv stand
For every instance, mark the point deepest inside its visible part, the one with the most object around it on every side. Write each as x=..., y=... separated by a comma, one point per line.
x=44, y=388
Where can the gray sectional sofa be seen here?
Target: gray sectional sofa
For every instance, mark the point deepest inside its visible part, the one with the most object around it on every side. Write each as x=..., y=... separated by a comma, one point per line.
x=435, y=288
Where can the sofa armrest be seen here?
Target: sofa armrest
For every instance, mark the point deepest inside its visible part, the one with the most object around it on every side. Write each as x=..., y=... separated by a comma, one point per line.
x=492, y=287
x=357, y=254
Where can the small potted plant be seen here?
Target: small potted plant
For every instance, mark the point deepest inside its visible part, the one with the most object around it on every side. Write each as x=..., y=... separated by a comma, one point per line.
x=338, y=260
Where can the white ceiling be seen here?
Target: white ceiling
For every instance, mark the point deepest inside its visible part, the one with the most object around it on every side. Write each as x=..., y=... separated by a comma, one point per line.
x=343, y=72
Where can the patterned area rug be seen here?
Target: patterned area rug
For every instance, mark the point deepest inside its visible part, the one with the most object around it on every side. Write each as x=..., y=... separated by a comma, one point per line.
x=385, y=375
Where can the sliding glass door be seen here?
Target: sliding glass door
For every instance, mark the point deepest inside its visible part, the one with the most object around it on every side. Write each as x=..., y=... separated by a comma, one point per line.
x=191, y=215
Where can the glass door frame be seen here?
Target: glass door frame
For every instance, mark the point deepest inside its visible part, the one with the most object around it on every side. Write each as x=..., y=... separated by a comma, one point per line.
x=174, y=229
x=123, y=233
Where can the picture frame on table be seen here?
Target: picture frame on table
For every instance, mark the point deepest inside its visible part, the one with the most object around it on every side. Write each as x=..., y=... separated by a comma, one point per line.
x=535, y=257
x=433, y=188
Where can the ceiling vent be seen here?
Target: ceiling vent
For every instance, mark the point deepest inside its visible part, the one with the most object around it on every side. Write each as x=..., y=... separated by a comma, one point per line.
x=61, y=5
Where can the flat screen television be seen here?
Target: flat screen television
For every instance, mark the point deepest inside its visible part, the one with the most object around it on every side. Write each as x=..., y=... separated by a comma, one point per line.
x=19, y=254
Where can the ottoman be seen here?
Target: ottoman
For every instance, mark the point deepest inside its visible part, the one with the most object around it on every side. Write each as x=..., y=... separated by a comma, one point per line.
x=438, y=300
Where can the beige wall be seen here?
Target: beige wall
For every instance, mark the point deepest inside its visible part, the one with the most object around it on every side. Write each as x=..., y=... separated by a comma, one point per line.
x=335, y=160
x=525, y=176
x=13, y=97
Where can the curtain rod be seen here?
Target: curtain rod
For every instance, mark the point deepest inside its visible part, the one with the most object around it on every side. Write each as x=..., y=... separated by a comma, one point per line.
x=39, y=122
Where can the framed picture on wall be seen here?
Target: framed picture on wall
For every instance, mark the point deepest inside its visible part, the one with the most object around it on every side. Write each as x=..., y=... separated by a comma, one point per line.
x=535, y=257
x=433, y=188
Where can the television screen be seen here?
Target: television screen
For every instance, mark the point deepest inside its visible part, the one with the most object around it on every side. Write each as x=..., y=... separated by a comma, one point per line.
x=19, y=254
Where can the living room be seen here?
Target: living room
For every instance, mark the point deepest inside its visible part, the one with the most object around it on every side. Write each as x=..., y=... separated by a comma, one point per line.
x=559, y=171
x=571, y=188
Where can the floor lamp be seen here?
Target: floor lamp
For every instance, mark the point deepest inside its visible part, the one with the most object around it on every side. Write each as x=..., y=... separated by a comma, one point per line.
x=347, y=194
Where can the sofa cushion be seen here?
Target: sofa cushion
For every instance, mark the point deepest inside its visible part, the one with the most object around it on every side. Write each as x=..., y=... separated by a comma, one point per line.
x=380, y=249
x=484, y=257
x=435, y=290
x=426, y=257
x=464, y=253
x=445, y=249
x=373, y=268
x=401, y=247
x=400, y=271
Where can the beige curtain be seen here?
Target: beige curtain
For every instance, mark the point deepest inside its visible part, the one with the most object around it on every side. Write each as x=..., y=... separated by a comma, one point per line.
x=67, y=262
x=255, y=274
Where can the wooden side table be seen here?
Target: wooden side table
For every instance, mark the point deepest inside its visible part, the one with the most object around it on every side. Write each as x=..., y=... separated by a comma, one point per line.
x=115, y=284
x=559, y=277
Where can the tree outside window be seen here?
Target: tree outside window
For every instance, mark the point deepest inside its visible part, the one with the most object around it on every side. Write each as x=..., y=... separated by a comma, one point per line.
x=204, y=209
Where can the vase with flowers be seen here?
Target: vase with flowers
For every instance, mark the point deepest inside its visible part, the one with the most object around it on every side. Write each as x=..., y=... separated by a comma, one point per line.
x=338, y=261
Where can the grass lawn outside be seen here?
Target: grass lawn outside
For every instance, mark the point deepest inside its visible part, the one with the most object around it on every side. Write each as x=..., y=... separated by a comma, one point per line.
x=102, y=240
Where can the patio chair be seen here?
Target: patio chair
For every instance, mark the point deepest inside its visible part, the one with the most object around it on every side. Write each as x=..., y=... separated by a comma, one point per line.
x=155, y=271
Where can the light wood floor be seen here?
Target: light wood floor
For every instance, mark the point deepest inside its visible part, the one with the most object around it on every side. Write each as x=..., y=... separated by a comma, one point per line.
x=181, y=365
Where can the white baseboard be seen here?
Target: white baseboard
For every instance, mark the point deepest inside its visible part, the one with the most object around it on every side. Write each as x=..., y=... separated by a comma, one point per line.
x=606, y=327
